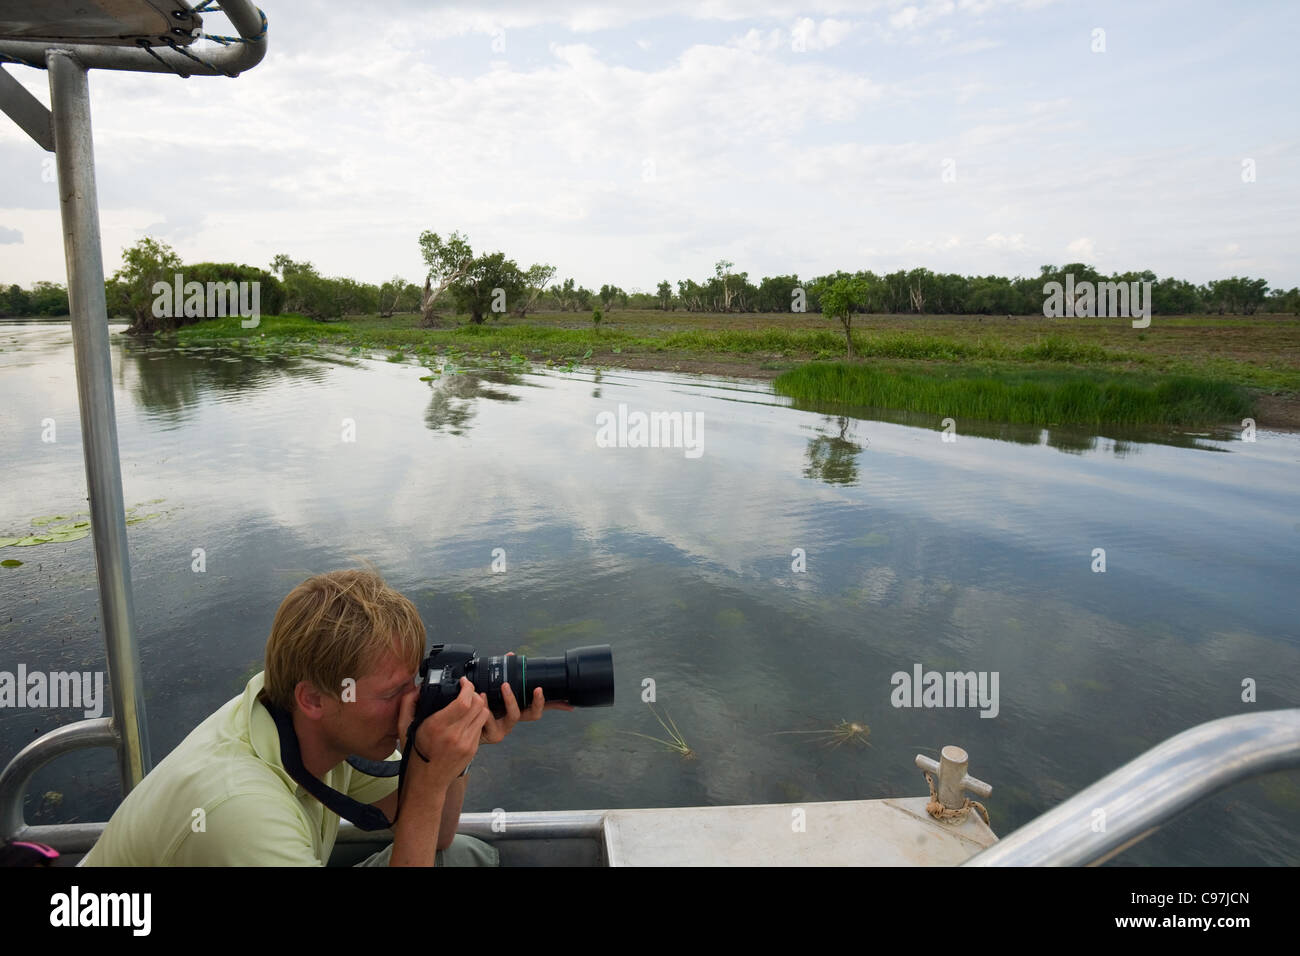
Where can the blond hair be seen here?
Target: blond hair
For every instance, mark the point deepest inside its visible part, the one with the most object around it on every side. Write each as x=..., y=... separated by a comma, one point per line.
x=335, y=626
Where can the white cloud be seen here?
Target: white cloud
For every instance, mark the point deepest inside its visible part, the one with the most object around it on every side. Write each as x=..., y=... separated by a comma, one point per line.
x=912, y=17
x=997, y=240
x=1083, y=248
x=759, y=41
x=808, y=34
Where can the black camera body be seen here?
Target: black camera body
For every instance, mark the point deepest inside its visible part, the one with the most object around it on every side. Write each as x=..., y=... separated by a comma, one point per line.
x=583, y=677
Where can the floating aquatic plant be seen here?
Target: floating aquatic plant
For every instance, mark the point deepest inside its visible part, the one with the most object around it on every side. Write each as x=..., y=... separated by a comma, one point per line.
x=677, y=743
x=842, y=733
x=54, y=529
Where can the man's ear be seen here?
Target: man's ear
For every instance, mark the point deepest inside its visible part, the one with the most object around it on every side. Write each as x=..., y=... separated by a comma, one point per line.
x=311, y=702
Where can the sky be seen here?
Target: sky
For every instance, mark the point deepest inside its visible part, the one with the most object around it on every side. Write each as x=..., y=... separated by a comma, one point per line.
x=628, y=143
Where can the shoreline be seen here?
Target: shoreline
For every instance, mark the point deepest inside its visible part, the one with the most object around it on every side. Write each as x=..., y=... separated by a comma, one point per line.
x=1258, y=354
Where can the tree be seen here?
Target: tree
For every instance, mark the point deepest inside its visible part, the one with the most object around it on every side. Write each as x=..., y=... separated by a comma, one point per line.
x=1285, y=300
x=776, y=293
x=489, y=285
x=448, y=263
x=398, y=295
x=1175, y=297
x=722, y=272
x=841, y=300
x=535, y=281
x=144, y=264
x=313, y=296
x=49, y=298
x=356, y=298
x=564, y=295
x=285, y=267
x=15, y=301
x=1237, y=294
x=609, y=294
x=664, y=294
x=920, y=286
x=691, y=294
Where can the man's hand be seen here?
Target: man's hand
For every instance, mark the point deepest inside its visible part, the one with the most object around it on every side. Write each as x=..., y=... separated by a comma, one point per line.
x=449, y=738
x=496, y=728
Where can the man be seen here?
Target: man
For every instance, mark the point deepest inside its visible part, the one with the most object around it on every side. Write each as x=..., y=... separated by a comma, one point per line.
x=339, y=681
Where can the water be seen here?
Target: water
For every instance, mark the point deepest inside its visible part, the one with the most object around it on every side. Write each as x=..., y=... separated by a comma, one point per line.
x=973, y=555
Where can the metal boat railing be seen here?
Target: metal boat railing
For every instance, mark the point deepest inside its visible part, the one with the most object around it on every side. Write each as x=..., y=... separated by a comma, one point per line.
x=75, y=838
x=1130, y=804
x=1109, y=817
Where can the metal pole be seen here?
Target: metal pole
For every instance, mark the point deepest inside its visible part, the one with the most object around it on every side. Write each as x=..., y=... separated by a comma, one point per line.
x=75, y=157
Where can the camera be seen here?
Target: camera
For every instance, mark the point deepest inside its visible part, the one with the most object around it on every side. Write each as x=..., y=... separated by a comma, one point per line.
x=583, y=677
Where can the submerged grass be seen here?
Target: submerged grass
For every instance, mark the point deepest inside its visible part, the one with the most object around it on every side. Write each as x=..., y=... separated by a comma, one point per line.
x=837, y=736
x=676, y=743
x=1035, y=397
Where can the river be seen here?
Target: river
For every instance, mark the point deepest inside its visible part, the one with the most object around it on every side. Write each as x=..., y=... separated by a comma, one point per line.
x=775, y=570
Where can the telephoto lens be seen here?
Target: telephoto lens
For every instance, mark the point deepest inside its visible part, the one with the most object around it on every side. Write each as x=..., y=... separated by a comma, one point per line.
x=583, y=677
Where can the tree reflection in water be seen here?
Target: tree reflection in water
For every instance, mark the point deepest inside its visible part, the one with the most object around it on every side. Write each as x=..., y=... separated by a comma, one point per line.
x=451, y=406
x=833, y=455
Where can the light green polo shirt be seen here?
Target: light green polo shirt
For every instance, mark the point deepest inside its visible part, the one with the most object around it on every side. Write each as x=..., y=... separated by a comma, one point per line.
x=223, y=798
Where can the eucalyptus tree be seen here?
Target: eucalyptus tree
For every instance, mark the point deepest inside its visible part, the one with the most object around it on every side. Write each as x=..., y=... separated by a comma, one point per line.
x=448, y=262
x=535, y=281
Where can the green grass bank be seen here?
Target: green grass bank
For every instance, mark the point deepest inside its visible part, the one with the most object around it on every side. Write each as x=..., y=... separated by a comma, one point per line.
x=1179, y=371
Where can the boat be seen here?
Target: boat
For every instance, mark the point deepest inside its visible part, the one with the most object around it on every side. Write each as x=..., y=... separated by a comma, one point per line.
x=942, y=828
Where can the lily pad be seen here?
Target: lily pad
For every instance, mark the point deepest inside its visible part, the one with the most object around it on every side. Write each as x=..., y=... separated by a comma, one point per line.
x=53, y=537
x=55, y=529
x=48, y=519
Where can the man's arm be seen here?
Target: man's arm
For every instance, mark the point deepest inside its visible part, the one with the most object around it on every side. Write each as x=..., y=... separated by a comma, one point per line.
x=452, y=802
x=445, y=744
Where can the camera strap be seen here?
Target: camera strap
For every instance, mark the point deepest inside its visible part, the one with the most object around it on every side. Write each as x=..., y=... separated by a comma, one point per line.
x=362, y=815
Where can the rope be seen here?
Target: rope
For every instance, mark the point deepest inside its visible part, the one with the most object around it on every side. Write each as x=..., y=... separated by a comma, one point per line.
x=197, y=59
x=949, y=815
x=224, y=40
x=207, y=6
x=149, y=49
